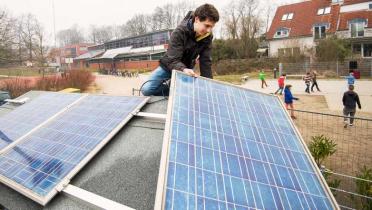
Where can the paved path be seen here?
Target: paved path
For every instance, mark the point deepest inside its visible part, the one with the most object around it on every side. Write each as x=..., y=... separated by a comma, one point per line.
x=115, y=85
x=332, y=90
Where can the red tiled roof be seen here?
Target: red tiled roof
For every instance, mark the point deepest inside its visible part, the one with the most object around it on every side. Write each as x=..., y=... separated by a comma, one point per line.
x=346, y=17
x=305, y=16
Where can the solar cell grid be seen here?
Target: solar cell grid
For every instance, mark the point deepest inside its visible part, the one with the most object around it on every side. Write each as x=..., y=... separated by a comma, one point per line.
x=26, y=117
x=56, y=151
x=231, y=148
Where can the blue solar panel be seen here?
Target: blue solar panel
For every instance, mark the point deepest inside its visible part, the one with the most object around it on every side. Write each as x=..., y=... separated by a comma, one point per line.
x=44, y=158
x=231, y=148
x=26, y=117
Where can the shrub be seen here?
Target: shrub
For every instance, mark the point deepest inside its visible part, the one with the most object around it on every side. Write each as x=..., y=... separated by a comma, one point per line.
x=364, y=188
x=16, y=86
x=321, y=147
x=79, y=79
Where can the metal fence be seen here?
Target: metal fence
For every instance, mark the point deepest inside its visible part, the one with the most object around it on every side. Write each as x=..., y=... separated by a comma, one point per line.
x=329, y=69
x=351, y=185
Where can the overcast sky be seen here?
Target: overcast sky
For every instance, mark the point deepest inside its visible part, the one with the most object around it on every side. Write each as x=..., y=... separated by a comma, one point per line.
x=98, y=12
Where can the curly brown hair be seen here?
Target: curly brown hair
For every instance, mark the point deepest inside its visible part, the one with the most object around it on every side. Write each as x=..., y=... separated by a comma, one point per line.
x=207, y=11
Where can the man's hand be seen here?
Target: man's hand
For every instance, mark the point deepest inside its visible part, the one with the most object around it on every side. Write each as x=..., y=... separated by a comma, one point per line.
x=190, y=72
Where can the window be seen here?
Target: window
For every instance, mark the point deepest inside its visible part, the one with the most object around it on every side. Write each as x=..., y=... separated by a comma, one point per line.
x=357, y=49
x=370, y=6
x=367, y=50
x=284, y=17
x=324, y=11
x=320, y=32
x=282, y=32
x=321, y=11
x=357, y=27
x=327, y=10
x=296, y=51
x=290, y=16
x=287, y=16
x=288, y=52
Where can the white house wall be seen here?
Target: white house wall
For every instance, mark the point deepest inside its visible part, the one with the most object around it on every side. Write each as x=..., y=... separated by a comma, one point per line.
x=355, y=7
x=305, y=42
x=346, y=33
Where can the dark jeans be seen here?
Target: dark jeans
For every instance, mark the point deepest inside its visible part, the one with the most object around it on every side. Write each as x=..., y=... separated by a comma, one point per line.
x=155, y=85
x=307, y=90
x=315, y=84
x=280, y=90
x=349, y=112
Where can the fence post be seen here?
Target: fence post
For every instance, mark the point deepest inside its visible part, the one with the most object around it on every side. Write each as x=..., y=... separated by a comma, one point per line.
x=280, y=68
x=370, y=68
x=337, y=68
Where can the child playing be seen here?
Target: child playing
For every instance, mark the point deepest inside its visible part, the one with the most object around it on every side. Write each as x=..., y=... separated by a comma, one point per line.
x=288, y=100
x=307, y=79
x=350, y=79
x=315, y=81
x=281, y=84
x=262, y=78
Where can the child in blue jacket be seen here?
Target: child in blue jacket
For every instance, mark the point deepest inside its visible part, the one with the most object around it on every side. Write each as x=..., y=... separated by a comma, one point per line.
x=288, y=100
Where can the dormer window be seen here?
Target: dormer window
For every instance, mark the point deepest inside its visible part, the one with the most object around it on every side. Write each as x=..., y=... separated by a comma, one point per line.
x=357, y=27
x=324, y=11
x=287, y=16
x=290, y=16
x=282, y=32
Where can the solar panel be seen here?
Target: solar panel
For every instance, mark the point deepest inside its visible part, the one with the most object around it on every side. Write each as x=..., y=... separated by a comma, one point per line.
x=232, y=148
x=26, y=117
x=49, y=157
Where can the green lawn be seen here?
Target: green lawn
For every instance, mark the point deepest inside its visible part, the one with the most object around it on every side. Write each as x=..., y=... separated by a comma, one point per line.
x=24, y=72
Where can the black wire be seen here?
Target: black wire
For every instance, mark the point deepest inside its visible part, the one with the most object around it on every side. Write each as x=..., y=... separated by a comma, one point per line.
x=164, y=82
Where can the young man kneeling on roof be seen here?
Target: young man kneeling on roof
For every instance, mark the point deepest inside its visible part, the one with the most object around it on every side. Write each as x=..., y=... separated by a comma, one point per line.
x=192, y=38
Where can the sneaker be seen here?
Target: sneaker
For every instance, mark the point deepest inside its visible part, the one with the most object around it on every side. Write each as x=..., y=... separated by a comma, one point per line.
x=345, y=122
x=350, y=124
x=293, y=117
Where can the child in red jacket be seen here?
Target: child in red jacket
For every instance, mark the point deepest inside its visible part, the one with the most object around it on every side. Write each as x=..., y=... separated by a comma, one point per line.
x=281, y=84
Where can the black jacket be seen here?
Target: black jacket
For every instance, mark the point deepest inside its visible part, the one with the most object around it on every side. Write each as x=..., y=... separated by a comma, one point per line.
x=184, y=49
x=350, y=100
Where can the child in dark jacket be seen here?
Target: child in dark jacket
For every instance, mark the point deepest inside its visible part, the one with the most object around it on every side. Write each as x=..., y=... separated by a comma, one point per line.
x=288, y=100
x=350, y=100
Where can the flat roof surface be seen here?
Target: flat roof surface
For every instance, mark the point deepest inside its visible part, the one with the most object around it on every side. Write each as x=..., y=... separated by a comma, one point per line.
x=125, y=170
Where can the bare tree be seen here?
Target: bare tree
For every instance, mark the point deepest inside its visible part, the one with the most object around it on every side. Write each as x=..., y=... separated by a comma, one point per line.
x=168, y=16
x=100, y=34
x=137, y=25
x=40, y=40
x=156, y=19
x=232, y=18
x=116, y=32
x=18, y=40
x=250, y=24
x=7, y=34
x=73, y=35
x=28, y=33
